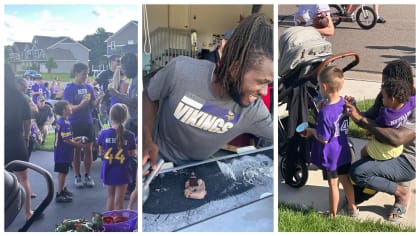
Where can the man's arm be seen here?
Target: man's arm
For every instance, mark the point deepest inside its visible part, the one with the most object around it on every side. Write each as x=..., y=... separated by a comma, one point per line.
x=393, y=136
x=150, y=149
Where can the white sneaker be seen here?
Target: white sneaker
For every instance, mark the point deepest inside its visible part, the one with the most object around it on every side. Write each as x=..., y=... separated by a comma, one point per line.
x=78, y=182
x=89, y=181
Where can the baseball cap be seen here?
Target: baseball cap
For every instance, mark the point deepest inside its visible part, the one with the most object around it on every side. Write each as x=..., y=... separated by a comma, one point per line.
x=228, y=34
x=41, y=98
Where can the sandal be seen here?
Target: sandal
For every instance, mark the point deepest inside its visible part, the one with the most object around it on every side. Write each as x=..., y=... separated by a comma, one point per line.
x=397, y=213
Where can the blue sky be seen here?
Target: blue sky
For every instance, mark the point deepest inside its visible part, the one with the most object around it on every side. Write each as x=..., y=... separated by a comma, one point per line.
x=22, y=22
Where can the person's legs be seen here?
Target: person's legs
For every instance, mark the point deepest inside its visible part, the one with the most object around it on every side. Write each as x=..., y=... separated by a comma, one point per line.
x=88, y=164
x=133, y=197
x=76, y=168
x=334, y=196
x=111, y=198
x=23, y=180
x=382, y=176
x=119, y=196
x=380, y=19
x=349, y=191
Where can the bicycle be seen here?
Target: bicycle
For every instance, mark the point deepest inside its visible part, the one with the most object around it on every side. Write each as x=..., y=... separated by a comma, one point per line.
x=365, y=15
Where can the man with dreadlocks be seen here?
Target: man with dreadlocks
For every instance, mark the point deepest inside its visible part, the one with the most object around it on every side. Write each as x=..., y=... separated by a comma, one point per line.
x=195, y=108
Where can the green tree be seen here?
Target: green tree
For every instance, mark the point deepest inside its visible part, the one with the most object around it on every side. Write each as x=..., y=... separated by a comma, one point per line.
x=50, y=64
x=96, y=43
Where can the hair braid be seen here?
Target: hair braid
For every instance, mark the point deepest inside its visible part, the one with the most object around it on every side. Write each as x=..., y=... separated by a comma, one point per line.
x=251, y=41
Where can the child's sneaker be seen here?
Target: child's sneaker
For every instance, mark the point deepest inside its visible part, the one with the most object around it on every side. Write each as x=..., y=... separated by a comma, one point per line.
x=78, y=181
x=89, y=181
x=67, y=192
x=61, y=197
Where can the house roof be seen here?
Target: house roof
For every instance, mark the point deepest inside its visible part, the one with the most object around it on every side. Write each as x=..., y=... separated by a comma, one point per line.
x=132, y=23
x=60, y=54
x=20, y=46
x=43, y=42
x=67, y=40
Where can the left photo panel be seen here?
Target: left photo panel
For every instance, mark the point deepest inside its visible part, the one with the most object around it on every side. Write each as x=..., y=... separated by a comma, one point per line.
x=71, y=118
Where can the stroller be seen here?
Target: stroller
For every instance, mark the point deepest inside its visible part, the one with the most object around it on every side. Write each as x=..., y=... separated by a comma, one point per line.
x=14, y=194
x=303, y=55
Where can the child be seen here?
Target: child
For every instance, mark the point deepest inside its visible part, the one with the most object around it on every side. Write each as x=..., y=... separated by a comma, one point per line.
x=398, y=105
x=63, y=149
x=116, y=145
x=330, y=150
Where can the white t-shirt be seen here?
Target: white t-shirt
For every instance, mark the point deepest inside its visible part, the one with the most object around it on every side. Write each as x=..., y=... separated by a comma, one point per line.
x=305, y=13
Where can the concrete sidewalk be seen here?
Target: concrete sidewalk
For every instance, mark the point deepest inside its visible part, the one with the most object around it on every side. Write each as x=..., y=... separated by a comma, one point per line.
x=315, y=194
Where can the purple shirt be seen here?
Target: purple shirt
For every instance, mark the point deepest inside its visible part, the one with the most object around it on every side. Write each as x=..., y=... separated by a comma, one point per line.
x=333, y=127
x=389, y=117
x=116, y=167
x=63, y=152
x=74, y=93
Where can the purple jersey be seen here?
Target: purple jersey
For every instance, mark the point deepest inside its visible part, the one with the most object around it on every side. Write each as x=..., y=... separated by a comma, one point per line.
x=116, y=167
x=333, y=127
x=38, y=88
x=74, y=93
x=389, y=117
x=63, y=152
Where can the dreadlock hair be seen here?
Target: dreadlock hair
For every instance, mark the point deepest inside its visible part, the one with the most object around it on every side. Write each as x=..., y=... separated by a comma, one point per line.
x=333, y=76
x=397, y=88
x=251, y=42
x=119, y=114
x=400, y=69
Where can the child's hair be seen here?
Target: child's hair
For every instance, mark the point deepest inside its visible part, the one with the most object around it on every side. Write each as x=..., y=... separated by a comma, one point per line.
x=400, y=69
x=397, y=88
x=60, y=106
x=333, y=76
x=119, y=113
x=77, y=68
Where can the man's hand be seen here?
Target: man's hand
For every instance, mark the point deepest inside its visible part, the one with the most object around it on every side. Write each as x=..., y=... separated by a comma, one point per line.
x=150, y=153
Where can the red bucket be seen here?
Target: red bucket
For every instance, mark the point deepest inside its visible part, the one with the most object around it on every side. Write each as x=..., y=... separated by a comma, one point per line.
x=128, y=225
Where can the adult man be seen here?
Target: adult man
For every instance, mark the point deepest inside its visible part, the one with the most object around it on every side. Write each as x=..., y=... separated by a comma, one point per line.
x=44, y=117
x=388, y=176
x=130, y=68
x=202, y=106
x=105, y=78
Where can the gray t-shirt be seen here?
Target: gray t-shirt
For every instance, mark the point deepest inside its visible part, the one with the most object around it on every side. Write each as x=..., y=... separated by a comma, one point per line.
x=409, y=150
x=193, y=123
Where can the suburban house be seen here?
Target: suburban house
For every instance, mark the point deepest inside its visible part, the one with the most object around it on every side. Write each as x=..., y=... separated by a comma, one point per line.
x=64, y=50
x=124, y=40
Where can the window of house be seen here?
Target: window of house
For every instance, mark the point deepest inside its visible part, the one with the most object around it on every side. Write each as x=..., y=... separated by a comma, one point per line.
x=112, y=44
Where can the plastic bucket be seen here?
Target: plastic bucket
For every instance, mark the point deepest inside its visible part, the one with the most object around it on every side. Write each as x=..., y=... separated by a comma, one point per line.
x=125, y=226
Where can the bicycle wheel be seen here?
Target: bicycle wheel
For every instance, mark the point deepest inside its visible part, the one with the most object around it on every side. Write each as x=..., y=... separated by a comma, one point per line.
x=336, y=12
x=366, y=17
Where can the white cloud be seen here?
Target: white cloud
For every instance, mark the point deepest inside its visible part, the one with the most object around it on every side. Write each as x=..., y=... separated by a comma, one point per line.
x=49, y=24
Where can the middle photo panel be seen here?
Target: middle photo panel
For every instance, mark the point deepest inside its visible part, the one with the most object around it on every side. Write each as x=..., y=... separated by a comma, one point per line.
x=207, y=118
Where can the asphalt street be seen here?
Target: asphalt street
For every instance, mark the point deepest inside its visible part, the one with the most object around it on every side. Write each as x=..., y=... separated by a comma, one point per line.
x=396, y=39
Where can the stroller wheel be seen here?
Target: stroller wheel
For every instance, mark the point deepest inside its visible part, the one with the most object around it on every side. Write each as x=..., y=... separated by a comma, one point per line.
x=299, y=173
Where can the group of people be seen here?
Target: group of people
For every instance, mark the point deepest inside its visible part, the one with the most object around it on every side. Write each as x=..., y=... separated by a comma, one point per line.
x=74, y=134
x=387, y=162
x=191, y=108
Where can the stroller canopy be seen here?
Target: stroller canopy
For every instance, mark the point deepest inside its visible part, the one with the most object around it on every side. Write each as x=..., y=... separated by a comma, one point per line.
x=299, y=44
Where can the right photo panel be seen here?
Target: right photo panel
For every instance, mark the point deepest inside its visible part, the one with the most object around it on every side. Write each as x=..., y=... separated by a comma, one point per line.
x=346, y=118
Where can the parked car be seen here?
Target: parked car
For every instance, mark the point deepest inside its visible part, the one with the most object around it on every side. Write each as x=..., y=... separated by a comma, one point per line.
x=32, y=74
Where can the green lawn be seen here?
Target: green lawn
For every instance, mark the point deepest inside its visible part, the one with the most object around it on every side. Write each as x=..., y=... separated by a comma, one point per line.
x=296, y=219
